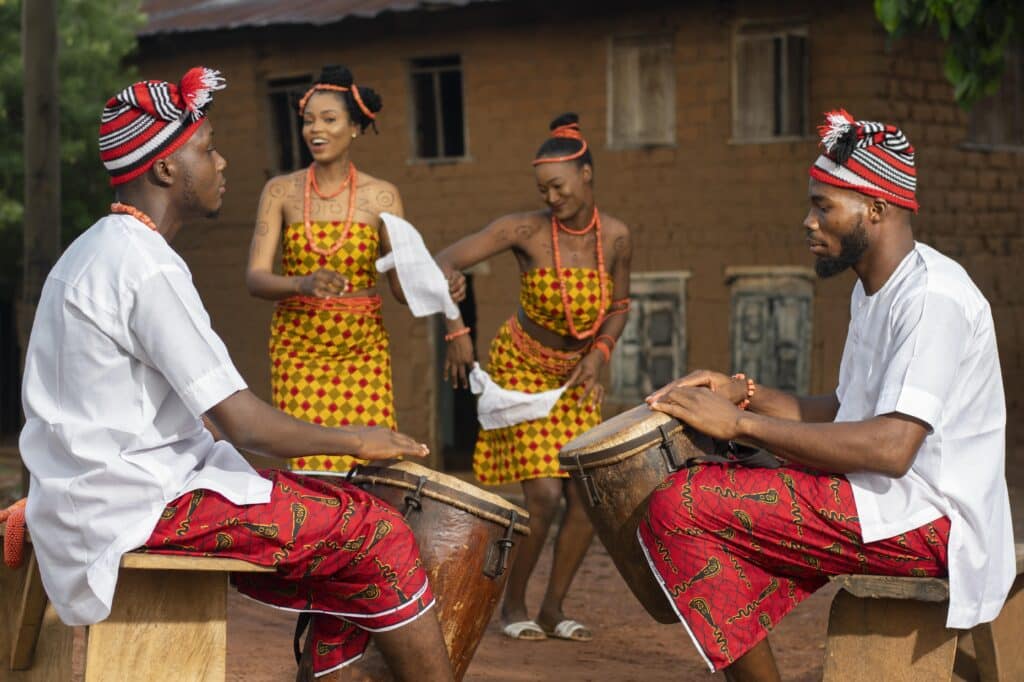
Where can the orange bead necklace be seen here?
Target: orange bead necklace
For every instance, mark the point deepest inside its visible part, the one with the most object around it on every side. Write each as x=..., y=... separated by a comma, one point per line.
x=118, y=207
x=578, y=233
x=311, y=186
x=595, y=224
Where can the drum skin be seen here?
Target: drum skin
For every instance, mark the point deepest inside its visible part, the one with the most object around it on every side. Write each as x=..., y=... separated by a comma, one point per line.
x=456, y=546
x=620, y=485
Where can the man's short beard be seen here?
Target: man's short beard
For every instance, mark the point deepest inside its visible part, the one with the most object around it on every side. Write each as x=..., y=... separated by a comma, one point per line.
x=851, y=247
x=191, y=199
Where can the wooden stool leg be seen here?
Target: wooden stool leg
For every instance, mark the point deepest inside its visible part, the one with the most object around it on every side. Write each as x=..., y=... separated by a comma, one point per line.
x=897, y=640
x=30, y=617
x=164, y=626
x=997, y=644
x=37, y=647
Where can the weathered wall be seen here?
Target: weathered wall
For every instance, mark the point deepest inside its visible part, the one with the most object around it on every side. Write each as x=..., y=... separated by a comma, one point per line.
x=704, y=204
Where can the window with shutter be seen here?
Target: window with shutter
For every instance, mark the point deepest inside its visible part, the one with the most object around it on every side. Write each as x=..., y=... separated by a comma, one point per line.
x=769, y=82
x=641, y=91
x=438, y=119
x=771, y=325
x=652, y=349
x=284, y=94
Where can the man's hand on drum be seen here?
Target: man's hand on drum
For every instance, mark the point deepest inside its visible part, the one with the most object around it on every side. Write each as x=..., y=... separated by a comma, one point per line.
x=322, y=284
x=586, y=374
x=458, y=361
x=708, y=411
x=734, y=390
x=377, y=442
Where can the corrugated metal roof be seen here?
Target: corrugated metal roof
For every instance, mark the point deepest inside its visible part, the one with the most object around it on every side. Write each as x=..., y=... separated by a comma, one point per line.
x=187, y=16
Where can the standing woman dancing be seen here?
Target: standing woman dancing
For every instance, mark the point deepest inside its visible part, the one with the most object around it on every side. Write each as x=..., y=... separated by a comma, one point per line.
x=329, y=352
x=574, y=291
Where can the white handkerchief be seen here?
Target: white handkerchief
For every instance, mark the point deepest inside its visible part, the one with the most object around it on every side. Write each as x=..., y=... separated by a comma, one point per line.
x=498, y=407
x=423, y=283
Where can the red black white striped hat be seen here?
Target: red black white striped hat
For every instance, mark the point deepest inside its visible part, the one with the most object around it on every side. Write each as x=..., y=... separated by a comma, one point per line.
x=148, y=120
x=871, y=158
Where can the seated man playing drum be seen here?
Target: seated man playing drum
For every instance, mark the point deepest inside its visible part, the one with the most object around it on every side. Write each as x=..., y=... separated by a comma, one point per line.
x=121, y=365
x=899, y=472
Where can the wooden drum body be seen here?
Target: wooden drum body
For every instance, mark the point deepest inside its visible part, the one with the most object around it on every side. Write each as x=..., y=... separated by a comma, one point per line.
x=467, y=542
x=617, y=465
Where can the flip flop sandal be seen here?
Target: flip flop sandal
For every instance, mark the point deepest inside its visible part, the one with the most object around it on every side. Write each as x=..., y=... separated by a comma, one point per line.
x=572, y=630
x=526, y=630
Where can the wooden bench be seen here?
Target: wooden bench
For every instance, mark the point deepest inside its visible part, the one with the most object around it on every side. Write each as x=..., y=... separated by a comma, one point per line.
x=887, y=628
x=168, y=622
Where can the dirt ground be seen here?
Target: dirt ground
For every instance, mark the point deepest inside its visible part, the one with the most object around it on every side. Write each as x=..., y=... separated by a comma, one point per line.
x=628, y=645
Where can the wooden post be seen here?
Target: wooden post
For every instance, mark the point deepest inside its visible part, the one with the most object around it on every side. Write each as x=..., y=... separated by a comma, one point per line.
x=41, y=224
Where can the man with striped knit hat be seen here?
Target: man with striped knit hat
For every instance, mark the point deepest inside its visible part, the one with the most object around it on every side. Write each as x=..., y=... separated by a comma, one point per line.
x=121, y=366
x=899, y=471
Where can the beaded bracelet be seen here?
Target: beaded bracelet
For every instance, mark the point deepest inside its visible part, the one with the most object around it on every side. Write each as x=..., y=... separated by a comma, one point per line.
x=605, y=344
x=456, y=334
x=751, y=387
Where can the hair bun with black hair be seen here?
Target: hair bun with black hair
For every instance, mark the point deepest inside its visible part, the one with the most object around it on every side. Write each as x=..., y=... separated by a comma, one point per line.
x=371, y=99
x=335, y=74
x=565, y=119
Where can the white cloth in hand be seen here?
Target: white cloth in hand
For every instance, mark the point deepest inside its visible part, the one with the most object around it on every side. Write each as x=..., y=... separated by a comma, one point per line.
x=499, y=407
x=424, y=285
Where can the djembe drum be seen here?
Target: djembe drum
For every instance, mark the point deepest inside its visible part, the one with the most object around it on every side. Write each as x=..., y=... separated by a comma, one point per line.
x=617, y=466
x=467, y=542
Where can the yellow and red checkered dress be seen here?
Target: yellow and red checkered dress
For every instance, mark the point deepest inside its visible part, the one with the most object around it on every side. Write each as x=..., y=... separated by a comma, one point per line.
x=520, y=363
x=330, y=358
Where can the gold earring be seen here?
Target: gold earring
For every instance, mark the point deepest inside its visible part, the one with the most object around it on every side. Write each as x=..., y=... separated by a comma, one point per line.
x=354, y=135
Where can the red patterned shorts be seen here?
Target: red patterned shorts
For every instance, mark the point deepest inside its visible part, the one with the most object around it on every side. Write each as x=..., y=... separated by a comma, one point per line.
x=340, y=553
x=736, y=549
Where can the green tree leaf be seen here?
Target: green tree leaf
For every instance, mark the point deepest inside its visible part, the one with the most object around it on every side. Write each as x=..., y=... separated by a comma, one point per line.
x=977, y=32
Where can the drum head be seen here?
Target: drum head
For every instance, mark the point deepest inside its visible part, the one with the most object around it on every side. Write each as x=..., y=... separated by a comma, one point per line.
x=444, y=488
x=635, y=429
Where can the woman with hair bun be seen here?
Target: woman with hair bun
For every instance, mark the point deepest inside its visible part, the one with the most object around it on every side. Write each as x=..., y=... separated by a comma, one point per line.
x=329, y=352
x=574, y=292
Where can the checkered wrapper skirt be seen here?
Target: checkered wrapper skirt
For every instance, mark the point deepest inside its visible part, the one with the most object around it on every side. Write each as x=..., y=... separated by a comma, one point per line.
x=530, y=449
x=331, y=365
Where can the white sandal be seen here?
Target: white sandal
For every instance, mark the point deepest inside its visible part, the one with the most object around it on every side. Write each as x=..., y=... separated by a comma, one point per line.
x=572, y=630
x=517, y=629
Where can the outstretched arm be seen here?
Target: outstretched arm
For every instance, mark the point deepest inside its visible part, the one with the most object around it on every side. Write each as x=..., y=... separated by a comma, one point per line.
x=885, y=444
x=251, y=424
x=500, y=235
x=767, y=401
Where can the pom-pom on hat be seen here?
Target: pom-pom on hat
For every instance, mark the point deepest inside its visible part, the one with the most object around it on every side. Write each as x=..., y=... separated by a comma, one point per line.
x=148, y=120
x=871, y=158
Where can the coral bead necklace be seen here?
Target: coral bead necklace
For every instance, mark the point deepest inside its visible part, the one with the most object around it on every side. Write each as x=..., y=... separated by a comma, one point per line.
x=602, y=278
x=311, y=186
x=125, y=209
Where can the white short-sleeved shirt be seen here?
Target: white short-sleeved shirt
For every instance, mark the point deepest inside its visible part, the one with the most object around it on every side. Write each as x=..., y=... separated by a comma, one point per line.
x=924, y=345
x=121, y=362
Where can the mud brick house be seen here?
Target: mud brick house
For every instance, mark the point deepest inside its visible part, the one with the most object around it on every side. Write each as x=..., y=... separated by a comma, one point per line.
x=701, y=119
